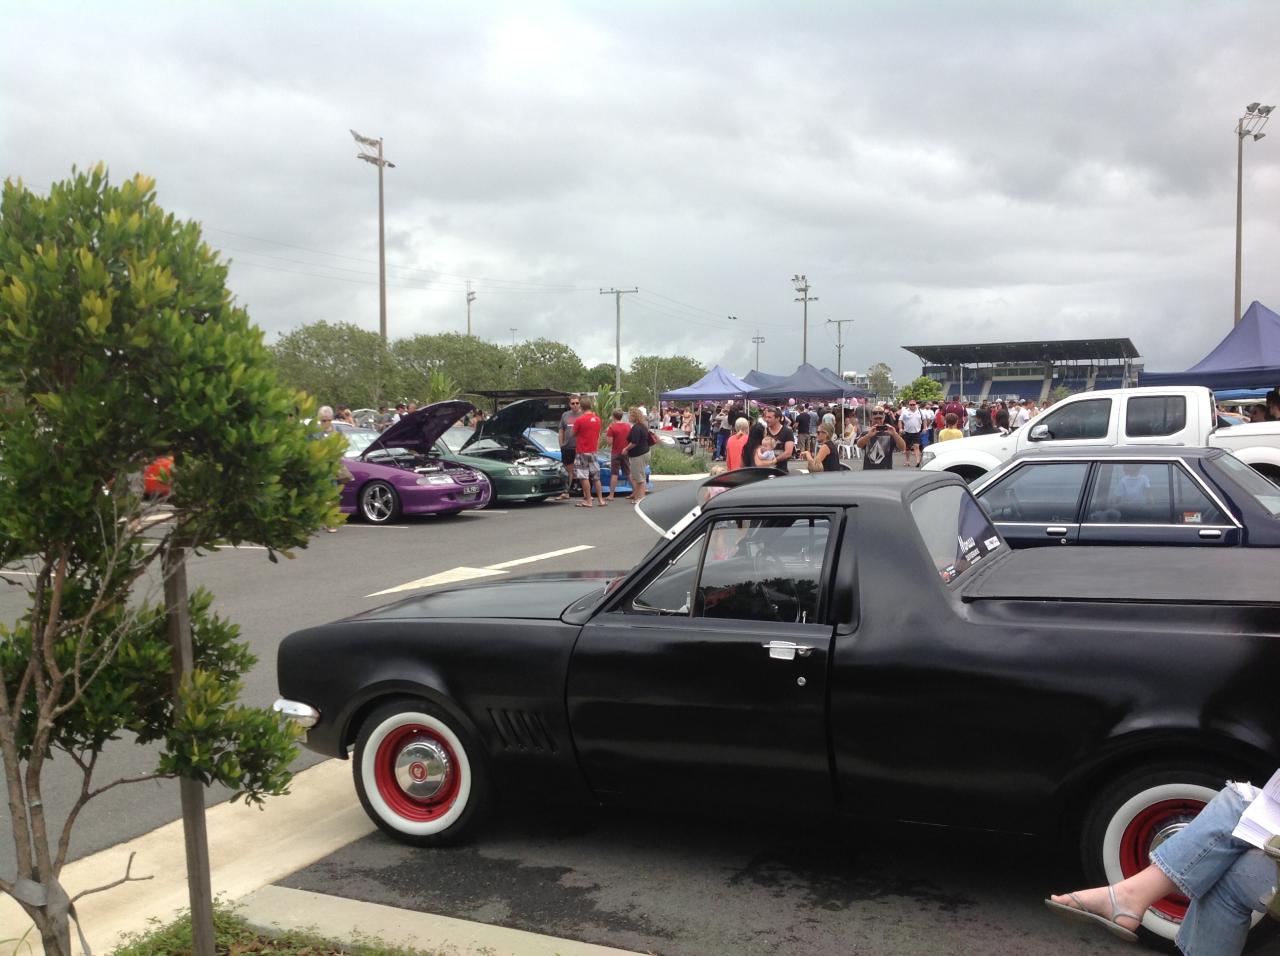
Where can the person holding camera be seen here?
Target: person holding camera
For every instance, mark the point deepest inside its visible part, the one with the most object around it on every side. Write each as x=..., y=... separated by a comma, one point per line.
x=878, y=443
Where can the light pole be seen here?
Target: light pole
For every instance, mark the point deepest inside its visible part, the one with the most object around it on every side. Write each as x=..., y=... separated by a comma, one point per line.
x=471, y=297
x=802, y=286
x=513, y=337
x=381, y=163
x=758, y=339
x=1251, y=124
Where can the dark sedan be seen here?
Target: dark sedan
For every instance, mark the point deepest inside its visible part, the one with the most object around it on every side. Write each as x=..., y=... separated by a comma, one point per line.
x=1148, y=495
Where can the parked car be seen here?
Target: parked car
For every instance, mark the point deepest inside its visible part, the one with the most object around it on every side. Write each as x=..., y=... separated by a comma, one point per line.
x=1131, y=495
x=515, y=466
x=548, y=442
x=1182, y=415
x=398, y=471
x=156, y=477
x=863, y=646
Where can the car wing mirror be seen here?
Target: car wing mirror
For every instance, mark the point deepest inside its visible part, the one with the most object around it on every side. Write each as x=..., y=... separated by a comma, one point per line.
x=1039, y=433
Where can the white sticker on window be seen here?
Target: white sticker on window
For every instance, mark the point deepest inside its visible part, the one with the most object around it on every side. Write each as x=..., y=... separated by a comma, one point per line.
x=991, y=544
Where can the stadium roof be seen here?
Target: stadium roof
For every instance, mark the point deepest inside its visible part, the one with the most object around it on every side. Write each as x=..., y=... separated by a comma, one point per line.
x=1062, y=350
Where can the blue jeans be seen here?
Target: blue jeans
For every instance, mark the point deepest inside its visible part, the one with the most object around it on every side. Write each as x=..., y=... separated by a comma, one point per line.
x=721, y=438
x=1226, y=879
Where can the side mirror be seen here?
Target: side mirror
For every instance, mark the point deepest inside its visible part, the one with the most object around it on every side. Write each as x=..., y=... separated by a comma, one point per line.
x=1039, y=433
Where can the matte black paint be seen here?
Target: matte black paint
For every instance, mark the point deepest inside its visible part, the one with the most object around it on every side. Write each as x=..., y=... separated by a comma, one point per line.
x=994, y=706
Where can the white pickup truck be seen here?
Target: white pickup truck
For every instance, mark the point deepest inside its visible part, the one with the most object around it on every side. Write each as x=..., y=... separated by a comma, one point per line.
x=1174, y=415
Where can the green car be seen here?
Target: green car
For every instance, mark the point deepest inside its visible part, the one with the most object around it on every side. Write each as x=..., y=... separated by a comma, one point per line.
x=497, y=447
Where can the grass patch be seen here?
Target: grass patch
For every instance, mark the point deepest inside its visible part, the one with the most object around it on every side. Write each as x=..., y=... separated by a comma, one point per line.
x=233, y=936
x=671, y=461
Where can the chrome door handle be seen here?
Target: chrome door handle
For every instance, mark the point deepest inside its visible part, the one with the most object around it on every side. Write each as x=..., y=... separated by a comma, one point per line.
x=1210, y=533
x=786, y=651
x=1055, y=532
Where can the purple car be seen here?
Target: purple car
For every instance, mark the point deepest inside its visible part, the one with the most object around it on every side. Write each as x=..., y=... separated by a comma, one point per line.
x=397, y=472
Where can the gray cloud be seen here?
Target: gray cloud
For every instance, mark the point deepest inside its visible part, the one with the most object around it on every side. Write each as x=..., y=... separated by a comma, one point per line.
x=941, y=172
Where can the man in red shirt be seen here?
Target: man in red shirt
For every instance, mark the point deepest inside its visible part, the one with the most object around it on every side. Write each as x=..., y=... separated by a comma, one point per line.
x=586, y=439
x=619, y=464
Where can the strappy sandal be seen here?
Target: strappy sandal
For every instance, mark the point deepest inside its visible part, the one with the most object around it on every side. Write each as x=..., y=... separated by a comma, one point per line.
x=1080, y=911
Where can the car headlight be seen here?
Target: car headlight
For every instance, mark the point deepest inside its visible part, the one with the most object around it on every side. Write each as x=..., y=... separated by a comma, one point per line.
x=434, y=480
x=927, y=457
x=521, y=470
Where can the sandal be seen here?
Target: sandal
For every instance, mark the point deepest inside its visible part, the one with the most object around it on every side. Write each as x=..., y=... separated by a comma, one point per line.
x=581, y=505
x=1080, y=911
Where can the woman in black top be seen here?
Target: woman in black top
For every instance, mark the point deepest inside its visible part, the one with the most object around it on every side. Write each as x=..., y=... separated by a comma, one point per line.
x=826, y=457
x=754, y=438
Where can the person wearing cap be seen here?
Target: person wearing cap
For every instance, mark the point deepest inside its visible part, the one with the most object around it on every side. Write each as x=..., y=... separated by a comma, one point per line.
x=911, y=422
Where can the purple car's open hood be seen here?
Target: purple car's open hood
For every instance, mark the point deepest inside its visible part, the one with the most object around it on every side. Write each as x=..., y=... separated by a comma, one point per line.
x=419, y=430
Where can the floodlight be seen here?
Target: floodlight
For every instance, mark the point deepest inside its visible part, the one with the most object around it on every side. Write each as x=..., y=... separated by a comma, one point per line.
x=1251, y=107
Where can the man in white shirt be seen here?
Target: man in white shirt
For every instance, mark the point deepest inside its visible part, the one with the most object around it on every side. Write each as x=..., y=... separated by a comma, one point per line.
x=910, y=422
x=1022, y=415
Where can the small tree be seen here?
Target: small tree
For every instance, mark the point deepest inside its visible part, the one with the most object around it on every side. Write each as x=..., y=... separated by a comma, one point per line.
x=922, y=389
x=120, y=343
x=1059, y=393
x=337, y=362
x=880, y=379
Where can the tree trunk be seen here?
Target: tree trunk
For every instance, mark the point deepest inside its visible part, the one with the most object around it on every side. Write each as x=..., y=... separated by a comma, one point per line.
x=199, y=886
x=55, y=934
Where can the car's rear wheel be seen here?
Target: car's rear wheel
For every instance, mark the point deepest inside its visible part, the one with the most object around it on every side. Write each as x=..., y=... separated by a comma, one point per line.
x=1136, y=814
x=420, y=776
x=379, y=503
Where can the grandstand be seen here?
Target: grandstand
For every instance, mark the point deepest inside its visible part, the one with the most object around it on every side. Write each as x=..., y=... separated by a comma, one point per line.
x=1009, y=370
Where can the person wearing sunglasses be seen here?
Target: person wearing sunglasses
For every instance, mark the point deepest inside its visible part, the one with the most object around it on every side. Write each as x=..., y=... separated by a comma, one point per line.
x=568, y=446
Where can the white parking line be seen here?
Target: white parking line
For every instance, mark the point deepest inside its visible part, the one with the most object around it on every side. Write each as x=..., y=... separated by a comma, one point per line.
x=540, y=557
x=377, y=527
x=460, y=574
x=30, y=574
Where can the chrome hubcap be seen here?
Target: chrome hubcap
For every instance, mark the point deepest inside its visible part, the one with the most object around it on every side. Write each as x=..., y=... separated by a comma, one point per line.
x=377, y=503
x=422, y=769
x=1165, y=832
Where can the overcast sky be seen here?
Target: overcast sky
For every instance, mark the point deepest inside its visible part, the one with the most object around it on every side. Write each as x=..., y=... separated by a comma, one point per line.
x=947, y=172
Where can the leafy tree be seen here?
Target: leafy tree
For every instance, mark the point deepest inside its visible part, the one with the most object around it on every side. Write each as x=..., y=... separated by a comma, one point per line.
x=1059, y=393
x=439, y=388
x=598, y=375
x=121, y=343
x=337, y=363
x=880, y=378
x=922, y=389
x=472, y=363
x=651, y=375
x=542, y=363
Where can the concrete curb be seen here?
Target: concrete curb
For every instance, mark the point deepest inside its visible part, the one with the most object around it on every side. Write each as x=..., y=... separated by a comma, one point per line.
x=274, y=909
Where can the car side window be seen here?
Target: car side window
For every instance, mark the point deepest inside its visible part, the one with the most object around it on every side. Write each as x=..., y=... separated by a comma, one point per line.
x=763, y=569
x=1155, y=415
x=1131, y=492
x=671, y=592
x=1079, y=420
x=1191, y=505
x=1036, y=493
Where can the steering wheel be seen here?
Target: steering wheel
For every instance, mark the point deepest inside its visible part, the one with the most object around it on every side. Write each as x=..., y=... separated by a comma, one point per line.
x=770, y=567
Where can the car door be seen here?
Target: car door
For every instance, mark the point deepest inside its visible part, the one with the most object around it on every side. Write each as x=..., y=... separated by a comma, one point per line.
x=705, y=681
x=1037, y=503
x=1154, y=502
x=1083, y=423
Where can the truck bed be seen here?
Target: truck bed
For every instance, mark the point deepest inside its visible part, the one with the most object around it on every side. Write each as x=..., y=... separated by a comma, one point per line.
x=1162, y=575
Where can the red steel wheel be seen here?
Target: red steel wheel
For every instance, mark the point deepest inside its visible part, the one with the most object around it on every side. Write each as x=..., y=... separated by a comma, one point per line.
x=417, y=774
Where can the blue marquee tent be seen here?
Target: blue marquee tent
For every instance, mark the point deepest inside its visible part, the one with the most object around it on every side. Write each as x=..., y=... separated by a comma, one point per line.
x=1248, y=357
x=717, y=383
x=806, y=382
x=761, y=379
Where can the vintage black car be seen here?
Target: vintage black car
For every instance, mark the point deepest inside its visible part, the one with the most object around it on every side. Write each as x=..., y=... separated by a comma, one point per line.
x=860, y=646
x=1146, y=494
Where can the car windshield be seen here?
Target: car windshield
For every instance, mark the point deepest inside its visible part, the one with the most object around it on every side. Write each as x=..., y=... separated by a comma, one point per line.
x=455, y=437
x=1263, y=489
x=544, y=438
x=358, y=440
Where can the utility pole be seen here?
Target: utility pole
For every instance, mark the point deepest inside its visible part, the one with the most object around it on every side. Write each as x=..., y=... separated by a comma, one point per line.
x=839, y=324
x=1251, y=124
x=471, y=297
x=381, y=163
x=759, y=340
x=513, y=337
x=802, y=286
x=617, y=334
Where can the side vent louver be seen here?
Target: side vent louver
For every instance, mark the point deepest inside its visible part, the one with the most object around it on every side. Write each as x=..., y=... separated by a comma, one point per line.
x=521, y=730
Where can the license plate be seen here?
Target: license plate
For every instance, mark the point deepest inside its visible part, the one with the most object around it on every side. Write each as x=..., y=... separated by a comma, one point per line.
x=471, y=490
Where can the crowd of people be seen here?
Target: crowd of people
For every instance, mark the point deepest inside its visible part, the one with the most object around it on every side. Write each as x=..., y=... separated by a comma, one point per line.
x=824, y=437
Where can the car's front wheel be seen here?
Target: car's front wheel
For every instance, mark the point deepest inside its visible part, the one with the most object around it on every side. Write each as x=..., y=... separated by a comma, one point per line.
x=1136, y=814
x=379, y=503
x=420, y=776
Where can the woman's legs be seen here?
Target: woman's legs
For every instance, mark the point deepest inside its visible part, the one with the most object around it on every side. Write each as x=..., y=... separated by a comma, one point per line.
x=1218, y=922
x=1193, y=861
